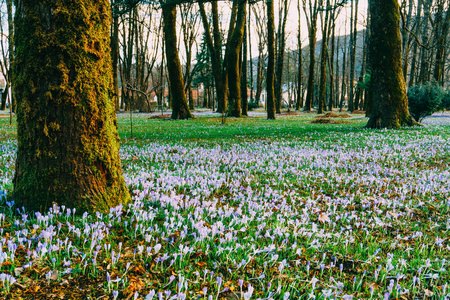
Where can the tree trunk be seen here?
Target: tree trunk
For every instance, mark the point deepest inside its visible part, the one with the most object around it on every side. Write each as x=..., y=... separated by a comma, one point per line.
x=279, y=61
x=299, y=102
x=441, y=38
x=259, y=77
x=250, y=51
x=336, y=81
x=414, y=55
x=115, y=59
x=68, y=145
x=353, y=38
x=424, y=68
x=8, y=76
x=271, y=61
x=323, y=63
x=312, y=30
x=390, y=104
x=331, y=60
x=244, y=97
x=180, y=108
x=233, y=50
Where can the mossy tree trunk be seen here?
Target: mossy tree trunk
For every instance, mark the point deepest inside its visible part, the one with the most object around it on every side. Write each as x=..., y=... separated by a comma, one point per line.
x=271, y=61
x=180, y=108
x=388, y=88
x=233, y=51
x=68, y=145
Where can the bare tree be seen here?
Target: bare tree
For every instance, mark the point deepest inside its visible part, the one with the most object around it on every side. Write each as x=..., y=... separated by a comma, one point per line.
x=189, y=28
x=311, y=10
x=280, y=48
x=261, y=27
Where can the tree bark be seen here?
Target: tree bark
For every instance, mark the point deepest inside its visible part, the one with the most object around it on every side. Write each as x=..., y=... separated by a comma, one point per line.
x=279, y=61
x=353, y=38
x=271, y=61
x=68, y=145
x=115, y=60
x=233, y=50
x=299, y=102
x=323, y=63
x=441, y=37
x=244, y=96
x=180, y=108
x=312, y=30
x=424, y=67
x=390, y=104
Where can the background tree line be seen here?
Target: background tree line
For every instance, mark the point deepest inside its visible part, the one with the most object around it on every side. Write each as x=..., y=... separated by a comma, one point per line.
x=216, y=38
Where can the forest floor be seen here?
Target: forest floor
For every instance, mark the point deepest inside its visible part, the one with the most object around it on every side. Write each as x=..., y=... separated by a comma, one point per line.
x=252, y=209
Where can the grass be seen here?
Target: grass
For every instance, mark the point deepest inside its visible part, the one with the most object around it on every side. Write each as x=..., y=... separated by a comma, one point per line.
x=283, y=209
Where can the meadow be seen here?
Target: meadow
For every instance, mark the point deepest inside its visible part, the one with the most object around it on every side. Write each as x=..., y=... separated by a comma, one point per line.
x=253, y=209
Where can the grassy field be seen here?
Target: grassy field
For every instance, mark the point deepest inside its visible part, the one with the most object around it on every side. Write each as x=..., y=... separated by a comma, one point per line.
x=253, y=209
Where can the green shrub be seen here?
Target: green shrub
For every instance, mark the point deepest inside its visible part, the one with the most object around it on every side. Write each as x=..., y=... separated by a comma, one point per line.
x=445, y=100
x=252, y=105
x=424, y=100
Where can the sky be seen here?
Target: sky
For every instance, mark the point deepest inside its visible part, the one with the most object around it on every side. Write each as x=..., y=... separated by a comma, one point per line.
x=342, y=24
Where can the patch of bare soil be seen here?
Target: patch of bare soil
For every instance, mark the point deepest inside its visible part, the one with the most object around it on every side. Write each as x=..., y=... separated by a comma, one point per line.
x=161, y=117
x=289, y=113
x=334, y=115
x=329, y=121
x=359, y=112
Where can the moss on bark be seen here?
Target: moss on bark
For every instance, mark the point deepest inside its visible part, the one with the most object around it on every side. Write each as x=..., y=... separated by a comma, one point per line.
x=68, y=145
x=388, y=89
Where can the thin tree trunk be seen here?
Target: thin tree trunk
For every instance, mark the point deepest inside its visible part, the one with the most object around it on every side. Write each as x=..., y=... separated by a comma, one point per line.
x=299, y=102
x=271, y=61
x=418, y=18
x=336, y=81
x=323, y=63
x=250, y=51
x=424, y=68
x=244, y=97
x=353, y=40
x=330, y=60
x=312, y=30
x=215, y=49
x=279, y=61
x=115, y=59
x=441, y=41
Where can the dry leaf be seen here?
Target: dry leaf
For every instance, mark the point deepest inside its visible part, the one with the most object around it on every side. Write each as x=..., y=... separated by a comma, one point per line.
x=324, y=218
